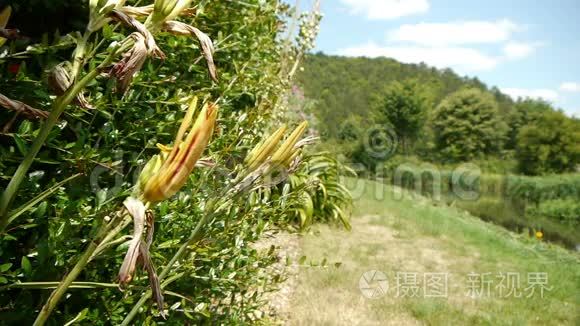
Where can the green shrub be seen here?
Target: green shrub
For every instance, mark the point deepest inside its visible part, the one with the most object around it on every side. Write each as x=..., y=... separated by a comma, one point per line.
x=466, y=126
x=549, y=144
x=562, y=210
x=90, y=161
x=538, y=189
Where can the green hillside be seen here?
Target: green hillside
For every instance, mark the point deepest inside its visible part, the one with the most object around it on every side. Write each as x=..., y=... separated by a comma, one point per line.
x=349, y=86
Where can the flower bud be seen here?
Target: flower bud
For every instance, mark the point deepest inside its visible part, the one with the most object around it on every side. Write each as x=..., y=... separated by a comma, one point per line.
x=287, y=150
x=150, y=169
x=165, y=10
x=59, y=79
x=261, y=152
x=181, y=160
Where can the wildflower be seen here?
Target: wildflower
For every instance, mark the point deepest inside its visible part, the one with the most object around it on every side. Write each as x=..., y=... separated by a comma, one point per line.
x=136, y=209
x=539, y=235
x=137, y=11
x=166, y=173
x=138, y=251
x=130, y=21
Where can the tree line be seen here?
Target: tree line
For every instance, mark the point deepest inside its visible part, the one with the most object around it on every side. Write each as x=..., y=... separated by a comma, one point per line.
x=435, y=115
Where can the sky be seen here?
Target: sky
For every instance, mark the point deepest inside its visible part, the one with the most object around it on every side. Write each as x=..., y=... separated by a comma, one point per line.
x=525, y=48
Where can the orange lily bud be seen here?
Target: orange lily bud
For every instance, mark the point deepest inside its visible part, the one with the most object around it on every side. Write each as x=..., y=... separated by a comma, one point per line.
x=172, y=175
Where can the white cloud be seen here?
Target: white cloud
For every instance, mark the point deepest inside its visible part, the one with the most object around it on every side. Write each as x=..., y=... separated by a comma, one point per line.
x=459, y=58
x=545, y=94
x=518, y=50
x=386, y=9
x=455, y=33
x=570, y=87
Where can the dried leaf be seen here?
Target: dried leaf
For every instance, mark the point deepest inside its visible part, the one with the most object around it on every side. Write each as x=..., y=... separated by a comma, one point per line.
x=137, y=11
x=204, y=40
x=131, y=63
x=152, y=47
x=136, y=209
x=22, y=108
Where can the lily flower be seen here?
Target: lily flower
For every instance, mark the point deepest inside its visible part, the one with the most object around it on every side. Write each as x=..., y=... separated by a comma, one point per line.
x=166, y=173
x=138, y=11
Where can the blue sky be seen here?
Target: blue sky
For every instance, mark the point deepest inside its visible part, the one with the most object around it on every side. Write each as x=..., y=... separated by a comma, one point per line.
x=526, y=48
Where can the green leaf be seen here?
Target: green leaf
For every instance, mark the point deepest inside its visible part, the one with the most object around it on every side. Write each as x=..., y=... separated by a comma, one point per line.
x=40, y=210
x=25, y=127
x=80, y=316
x=5, y=267
x=26, y=266
x=101, y=197
x=42, y=196
x=21, y=145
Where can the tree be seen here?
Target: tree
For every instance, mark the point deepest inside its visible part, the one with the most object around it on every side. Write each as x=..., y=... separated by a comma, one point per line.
x=549, y=144
x=524, y=112
x=466, y=126
x=403, y=108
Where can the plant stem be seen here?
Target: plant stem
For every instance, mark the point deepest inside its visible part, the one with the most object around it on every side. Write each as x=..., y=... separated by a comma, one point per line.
x=54, y=285
x=145, y=297
x=79, y=55
x=193, y=238
x=63, y=286
x=57, y=109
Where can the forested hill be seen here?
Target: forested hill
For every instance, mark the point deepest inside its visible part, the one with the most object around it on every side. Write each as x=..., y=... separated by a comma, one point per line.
x=344, y=86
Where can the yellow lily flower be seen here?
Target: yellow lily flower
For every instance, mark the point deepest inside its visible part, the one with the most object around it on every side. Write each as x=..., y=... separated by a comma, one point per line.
x=164, y=175
x=4, y=16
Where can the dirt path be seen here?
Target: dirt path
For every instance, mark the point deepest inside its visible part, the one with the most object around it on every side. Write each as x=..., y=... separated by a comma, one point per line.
x=331, y=295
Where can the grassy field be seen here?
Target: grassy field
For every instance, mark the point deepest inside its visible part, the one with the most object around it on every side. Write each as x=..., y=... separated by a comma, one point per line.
x=411, y=238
